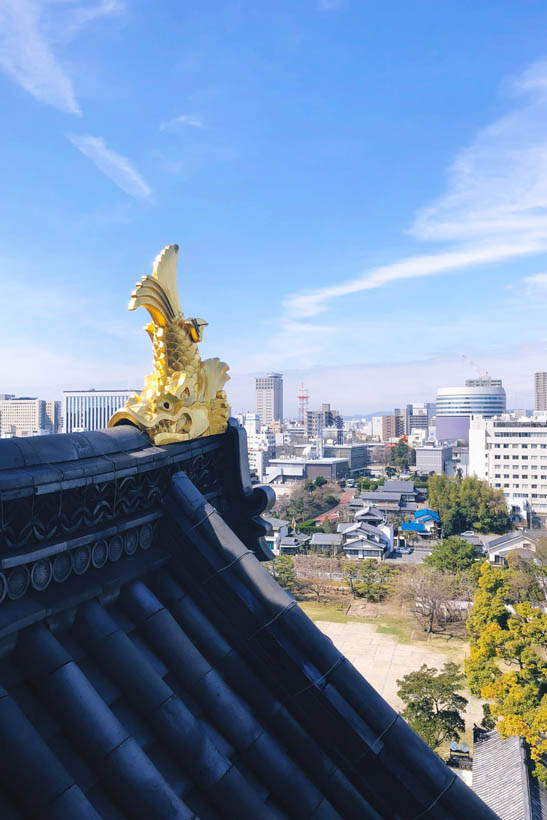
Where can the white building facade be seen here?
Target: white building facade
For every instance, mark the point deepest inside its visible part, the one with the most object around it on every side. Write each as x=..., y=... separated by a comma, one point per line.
x=23, y=417
x=511, y=454
x=91, y=409
x=456, y=405
x=261, y=448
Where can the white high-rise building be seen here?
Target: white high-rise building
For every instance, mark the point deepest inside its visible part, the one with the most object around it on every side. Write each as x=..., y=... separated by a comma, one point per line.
x=456, y=405
x=510, y=453
x=377, y=427
x=540, y=392
x=269, y=398
x=91, y=409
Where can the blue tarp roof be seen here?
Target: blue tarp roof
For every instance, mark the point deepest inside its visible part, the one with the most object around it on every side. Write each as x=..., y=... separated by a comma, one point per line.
x=426, y=511
x=414, y=526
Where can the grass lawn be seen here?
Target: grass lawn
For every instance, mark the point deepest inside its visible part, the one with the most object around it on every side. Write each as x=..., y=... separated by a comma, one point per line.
x=327, y=612
x=390, y=620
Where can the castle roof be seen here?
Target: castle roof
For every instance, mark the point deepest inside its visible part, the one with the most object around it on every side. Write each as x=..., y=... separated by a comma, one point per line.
x=151, y=666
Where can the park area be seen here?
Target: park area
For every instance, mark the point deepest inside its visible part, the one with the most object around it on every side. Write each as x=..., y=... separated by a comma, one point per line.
x=384, y=644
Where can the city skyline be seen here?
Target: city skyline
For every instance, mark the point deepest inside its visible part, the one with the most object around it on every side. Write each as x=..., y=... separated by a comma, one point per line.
x=382, y=253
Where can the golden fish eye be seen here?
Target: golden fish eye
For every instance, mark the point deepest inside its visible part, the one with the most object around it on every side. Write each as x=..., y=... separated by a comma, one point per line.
x=166, y=405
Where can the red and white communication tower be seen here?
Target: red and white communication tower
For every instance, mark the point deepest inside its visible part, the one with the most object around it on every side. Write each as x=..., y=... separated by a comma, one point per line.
x=303, y=399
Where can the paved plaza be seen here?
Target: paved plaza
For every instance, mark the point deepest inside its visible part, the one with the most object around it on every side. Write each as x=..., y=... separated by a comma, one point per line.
x=382, y=659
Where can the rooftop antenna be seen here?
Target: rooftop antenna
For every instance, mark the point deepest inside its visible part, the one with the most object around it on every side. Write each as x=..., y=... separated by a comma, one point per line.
x=303, y=399
x=484, y=374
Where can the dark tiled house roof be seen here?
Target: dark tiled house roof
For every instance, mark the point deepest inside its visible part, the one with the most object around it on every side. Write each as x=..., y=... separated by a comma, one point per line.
x=502, y=778
x=394, y=486
x=150, y=667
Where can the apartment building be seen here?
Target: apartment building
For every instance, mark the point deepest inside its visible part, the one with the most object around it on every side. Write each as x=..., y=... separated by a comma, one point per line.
x=510, y=453
x=540, y=392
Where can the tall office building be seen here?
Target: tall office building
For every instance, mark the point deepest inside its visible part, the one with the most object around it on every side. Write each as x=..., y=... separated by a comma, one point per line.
x=23, y=417
x=53, y=416
x=269, y=398
x=91, y=409
x=455, y=405
x=540, y=392
x=418, y=416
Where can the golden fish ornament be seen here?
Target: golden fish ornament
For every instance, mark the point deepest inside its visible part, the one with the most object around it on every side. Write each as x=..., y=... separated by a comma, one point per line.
x=184, y=397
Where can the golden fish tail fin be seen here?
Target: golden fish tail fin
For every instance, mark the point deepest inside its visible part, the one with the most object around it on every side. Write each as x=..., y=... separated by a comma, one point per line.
x=158, y=293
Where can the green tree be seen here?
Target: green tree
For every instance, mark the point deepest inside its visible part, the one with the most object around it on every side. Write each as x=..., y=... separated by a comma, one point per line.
x=468, y=502
x=390, y=471
x=320, y=480
x=283, y=569
x=433, y=705
x=507, y=661
x=401, y=455
x=349, y=574
x=452, y=555
x=375, y=580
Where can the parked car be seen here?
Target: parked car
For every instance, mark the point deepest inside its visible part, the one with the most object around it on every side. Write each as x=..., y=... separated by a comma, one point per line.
x=406, y=550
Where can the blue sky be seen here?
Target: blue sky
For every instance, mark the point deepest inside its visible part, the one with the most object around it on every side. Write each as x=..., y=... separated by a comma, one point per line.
x=359, y=191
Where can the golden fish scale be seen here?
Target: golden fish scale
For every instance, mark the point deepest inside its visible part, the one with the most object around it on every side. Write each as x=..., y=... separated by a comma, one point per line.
x=174, y=351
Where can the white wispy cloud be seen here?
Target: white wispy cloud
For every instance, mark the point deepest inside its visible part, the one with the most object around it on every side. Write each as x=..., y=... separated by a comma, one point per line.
x=80, y=15
x=31, y=31
x=26, y=55
x=494, y=210
x=182, y=119
x=114, y=166
x=537, y=283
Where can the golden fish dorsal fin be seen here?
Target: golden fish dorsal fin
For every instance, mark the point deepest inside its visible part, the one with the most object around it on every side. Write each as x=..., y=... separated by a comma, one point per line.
x=159, y=293
x=165, y=271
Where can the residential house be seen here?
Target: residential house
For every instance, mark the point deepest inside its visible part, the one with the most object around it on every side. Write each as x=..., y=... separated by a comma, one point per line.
x=426, y=523
x=328, y=543
x=370, y=515
x=362, y=540
x=499, y=548
x=279, y=530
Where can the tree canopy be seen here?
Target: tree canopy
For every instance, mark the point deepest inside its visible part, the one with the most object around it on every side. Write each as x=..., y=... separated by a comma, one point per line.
x=309, y=500
x=507, y=661
x=467, y=503
x=452, y=555
x=373, y=580
x=283, y=570
x=401, y=455
x=433, y=705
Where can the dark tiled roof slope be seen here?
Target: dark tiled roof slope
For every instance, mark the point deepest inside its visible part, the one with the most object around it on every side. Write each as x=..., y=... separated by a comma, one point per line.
x=178, y=680
x=502, y=776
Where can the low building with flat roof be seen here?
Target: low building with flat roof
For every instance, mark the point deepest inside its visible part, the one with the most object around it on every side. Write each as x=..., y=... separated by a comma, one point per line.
x=433, y=458
x=293, y=470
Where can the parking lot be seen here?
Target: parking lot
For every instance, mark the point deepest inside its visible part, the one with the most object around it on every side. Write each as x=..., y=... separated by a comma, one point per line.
x=415, y=557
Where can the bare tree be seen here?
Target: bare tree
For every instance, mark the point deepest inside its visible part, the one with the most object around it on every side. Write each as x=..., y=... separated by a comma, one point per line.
x=436, y=597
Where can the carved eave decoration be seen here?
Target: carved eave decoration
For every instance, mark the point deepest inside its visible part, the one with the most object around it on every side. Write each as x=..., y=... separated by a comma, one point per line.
x=183, y=398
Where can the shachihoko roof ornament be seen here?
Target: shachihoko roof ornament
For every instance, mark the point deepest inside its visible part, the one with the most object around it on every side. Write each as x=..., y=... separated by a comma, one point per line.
x=184, y=397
